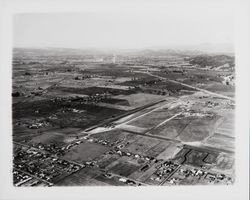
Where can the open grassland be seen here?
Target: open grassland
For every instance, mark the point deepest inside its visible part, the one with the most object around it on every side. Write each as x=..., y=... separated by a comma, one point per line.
x=85, y=152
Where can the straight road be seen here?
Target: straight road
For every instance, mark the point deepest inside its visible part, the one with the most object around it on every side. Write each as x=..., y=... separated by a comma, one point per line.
x=154, y=136
x=123, y=115
x=165, y=121
x=144, y=114
x=162, y=123
x=165, y=180
x=35, y=177
x=193, y=87
x=42, y=91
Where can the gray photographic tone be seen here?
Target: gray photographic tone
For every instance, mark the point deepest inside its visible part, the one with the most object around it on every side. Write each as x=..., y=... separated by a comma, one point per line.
x=118, y=99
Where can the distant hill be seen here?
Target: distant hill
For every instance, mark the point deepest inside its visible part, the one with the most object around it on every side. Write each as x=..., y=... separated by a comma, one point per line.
x=214, y=61
x=56, y=51
x=168, y=52
x=131, y=52
x=194, y=57
x=210, y=48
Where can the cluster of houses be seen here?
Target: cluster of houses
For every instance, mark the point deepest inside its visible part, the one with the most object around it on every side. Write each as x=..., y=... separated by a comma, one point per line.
x=42, y=165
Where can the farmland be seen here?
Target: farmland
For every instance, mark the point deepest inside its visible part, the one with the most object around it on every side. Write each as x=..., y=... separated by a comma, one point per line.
x=152, y=118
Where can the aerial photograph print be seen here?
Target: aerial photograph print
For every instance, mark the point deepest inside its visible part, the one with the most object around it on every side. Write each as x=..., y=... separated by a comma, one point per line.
x=123, y=99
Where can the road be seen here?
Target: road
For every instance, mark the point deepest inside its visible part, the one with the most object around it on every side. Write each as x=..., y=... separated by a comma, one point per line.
x=193, y=87
x=47, y=152
x=147, y=134
x=142, y=115
x=42, y=91
x=165, y=121
x=154, y=136
x=166, y=179
x=160, y=124
x=109, y=121
x=35, y=177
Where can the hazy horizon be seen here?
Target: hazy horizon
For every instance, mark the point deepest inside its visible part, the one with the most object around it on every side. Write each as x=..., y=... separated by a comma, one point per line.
x=224, y=48
x=122, y=30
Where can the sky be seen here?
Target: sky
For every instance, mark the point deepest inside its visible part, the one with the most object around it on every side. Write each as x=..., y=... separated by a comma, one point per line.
x=122, y=29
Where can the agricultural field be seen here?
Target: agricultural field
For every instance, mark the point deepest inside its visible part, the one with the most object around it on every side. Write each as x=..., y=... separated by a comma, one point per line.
x=97, y=119
x=123, y=167
x=85, y=152
x=84, y=176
